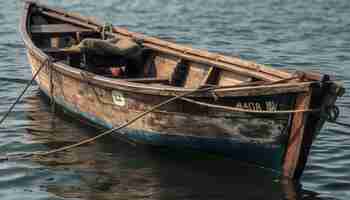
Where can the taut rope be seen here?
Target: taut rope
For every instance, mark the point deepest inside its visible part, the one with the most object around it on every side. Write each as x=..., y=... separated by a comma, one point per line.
x=237, y=109
x=45, y=62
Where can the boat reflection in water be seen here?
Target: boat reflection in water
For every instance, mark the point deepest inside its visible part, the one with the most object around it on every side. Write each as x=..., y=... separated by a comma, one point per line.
x=113, y=169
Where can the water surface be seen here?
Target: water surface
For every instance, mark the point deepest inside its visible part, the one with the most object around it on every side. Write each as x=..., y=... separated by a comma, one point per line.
x=306, y=35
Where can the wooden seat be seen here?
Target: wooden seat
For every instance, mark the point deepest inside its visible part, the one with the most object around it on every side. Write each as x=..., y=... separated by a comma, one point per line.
x=148, y=80
x=58, y=29
x=57, y=50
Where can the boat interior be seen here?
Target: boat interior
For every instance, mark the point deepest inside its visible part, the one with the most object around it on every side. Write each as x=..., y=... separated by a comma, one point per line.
x=119, y=57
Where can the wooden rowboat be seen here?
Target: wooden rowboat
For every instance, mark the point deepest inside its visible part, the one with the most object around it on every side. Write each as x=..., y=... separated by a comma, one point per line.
x=252, y=113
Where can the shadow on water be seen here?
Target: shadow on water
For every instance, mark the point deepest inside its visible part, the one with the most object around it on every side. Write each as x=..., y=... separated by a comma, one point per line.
x=113, y=169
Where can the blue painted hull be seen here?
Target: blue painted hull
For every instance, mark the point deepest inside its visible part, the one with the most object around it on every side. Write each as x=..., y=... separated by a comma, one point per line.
x=269, y=156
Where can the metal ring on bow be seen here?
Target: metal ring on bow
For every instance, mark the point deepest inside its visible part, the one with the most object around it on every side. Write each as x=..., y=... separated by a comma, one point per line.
x=332, y=113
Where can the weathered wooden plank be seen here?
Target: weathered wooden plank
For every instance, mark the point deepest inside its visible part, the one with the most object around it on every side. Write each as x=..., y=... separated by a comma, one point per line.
x=196, y=74
x=229, y=67
x=148, y=80
x=182, y=50
x=296, y=136
x=83, y=23
x=57, y=28
x=229, y=78
x=165, y=65
x=166, y=90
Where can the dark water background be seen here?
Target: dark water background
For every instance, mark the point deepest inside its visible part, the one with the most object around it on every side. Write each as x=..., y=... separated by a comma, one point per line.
x=302, y=34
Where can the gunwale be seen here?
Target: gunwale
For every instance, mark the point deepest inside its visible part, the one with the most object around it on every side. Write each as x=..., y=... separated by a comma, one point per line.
x=121, y=84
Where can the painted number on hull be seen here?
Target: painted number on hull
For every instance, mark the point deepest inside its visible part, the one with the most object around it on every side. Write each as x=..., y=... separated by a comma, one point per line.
x=269, y=105
x=118, y=98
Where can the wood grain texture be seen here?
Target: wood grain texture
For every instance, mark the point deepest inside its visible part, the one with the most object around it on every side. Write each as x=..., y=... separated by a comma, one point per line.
x=165, y=65
x=229, y=78
x=57, y=28
x=296, y=136
x=196, y=74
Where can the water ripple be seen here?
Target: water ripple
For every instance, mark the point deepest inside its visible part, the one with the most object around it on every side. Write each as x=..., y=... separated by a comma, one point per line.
x=307, y=35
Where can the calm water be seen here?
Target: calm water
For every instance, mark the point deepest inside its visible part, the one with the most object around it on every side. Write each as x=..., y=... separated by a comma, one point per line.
x=312, y=35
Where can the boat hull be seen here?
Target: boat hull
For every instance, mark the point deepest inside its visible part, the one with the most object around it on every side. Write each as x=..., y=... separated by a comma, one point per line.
x=280, y=140
x=252, y=138
x=267, y=155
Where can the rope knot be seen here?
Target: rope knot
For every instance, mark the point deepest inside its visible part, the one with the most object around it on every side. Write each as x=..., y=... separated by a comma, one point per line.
x=107, y=27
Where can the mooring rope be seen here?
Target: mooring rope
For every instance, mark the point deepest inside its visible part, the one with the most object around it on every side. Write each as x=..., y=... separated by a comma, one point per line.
x=243, y=110
x=46, y=61
x=108, y=132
